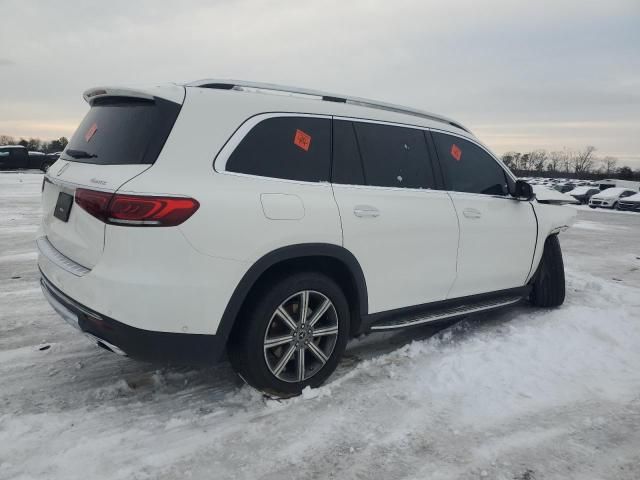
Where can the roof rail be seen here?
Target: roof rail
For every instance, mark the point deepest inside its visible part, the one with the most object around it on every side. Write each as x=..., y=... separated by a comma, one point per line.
x=229, y=84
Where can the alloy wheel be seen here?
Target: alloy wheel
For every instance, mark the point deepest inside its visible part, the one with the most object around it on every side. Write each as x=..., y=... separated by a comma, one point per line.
x=301, y=336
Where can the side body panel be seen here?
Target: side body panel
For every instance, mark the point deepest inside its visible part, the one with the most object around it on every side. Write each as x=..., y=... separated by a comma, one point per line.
x=497, y=242
x=408, y=250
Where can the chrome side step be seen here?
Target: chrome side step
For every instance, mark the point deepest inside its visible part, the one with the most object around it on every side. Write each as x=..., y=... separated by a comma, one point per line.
x=446, y=313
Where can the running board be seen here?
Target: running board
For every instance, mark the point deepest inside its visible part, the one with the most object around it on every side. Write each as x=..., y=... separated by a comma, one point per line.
x=445, y=313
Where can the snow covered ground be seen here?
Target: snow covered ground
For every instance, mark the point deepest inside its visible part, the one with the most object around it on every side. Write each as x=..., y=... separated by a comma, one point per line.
x=522, y=394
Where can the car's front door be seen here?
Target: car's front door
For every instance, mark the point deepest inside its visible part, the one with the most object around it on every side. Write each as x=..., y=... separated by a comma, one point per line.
x=403, y=232
x=18, y=158
x=497, y=232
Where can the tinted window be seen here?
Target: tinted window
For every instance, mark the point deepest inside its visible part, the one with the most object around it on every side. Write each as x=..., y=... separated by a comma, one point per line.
x=347, y=163
x=468, y=168
x=389, y=156
x=293, y=148
x=19, y=154
x=122, y=131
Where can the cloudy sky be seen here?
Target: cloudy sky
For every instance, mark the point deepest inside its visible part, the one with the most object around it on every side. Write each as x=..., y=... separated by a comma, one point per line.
x=522, y=75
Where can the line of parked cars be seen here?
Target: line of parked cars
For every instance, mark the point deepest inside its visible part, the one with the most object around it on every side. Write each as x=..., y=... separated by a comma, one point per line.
x=608, y=193
x=17, y=157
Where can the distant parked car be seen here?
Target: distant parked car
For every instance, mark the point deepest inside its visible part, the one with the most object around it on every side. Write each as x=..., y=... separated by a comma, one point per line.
x=583, y=194
x=564, y=187
x=610, y=197
x=17, y=157
x=631, y=203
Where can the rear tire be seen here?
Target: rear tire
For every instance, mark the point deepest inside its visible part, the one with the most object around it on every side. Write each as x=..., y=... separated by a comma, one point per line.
x=549, y=284
x=308, y=347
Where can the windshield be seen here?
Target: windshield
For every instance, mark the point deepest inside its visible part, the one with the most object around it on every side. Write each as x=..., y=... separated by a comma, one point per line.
x=119, y=130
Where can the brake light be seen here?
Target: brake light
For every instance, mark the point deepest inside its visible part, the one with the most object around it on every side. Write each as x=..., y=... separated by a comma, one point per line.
x=136, y=210
x=94, y=202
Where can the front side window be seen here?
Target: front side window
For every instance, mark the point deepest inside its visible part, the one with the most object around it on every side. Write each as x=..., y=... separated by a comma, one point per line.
x=292, y=148
x=381, y=155
x=469, y=168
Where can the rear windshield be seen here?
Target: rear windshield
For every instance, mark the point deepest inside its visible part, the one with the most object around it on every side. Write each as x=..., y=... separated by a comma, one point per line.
x=119, y=130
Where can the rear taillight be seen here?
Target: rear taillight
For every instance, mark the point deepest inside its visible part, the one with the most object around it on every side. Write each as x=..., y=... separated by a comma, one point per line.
x=136, y=210
x=94, y=202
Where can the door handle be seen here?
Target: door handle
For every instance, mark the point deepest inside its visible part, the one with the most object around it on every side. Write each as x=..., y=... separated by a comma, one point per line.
x=472, y=213
x=366, y=211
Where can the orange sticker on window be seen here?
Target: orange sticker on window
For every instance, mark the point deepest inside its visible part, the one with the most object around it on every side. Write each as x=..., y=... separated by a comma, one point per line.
x=302, y=140
x=91, y=132
x=456, y=152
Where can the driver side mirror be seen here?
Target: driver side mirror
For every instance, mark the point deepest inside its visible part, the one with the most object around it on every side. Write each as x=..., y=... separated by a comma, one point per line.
x=522, y=190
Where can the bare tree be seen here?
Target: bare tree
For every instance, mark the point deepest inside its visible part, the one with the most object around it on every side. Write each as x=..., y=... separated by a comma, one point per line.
x=609, y=164
x=582, y=161
x=509, y=159
x=538, y=159
x=7, y=140
x=555, y=161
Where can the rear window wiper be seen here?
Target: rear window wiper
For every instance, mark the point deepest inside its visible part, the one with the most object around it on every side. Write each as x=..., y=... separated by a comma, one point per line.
x=80, y=154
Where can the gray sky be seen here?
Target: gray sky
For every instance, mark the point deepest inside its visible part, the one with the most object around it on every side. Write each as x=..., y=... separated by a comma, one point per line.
x=521, y=74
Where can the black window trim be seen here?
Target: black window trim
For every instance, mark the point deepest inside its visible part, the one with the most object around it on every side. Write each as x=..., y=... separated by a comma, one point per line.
x=505, y=170
x=220, y=159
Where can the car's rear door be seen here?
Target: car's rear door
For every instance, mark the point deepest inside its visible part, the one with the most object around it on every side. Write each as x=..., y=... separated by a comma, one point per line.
x=402, y=231
x=497, y=232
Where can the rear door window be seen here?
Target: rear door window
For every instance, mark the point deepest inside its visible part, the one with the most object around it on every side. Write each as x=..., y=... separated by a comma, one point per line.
x=291, y=148
x=119, y=130
x=381, y=155
x=469, y=168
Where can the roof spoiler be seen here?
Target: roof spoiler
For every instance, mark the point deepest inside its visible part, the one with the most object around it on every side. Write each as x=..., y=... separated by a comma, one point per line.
x=171, y=92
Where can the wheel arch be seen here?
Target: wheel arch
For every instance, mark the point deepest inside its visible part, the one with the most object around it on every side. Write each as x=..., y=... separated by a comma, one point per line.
x=333, y=260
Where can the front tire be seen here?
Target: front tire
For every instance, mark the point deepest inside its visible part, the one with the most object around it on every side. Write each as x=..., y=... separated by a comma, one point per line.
x=549, y=283
x=292, y=335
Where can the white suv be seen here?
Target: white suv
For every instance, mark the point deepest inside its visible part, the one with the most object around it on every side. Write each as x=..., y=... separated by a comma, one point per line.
x=274, y=223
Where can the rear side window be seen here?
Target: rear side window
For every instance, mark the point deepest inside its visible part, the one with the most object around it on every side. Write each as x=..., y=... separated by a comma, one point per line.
x=381, y=155
x=292, y=148
x=119, y=130
x=468, y=168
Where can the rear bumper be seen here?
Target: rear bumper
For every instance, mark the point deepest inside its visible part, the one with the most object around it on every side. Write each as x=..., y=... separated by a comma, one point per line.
x=147, y=345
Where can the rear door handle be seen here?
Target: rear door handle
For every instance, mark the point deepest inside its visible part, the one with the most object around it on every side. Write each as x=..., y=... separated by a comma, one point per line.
x=366, y=211
x=472, y=213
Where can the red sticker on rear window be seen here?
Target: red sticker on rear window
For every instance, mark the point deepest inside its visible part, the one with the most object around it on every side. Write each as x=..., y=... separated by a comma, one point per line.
x=302, y=140
x=456, y=152
x=91, y=132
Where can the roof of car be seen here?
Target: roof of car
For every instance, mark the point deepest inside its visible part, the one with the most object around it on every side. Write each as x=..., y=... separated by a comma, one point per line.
x=315, y=101
x=242, y=85
x=12, y=146
x=611, y=192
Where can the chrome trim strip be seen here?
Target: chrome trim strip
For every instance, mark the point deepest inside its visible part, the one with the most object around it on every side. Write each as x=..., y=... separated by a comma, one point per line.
x=75, y=304
x=68, y=265
x=348, y=99
x=106, y=344
x=454, y=312
x=66, y=314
